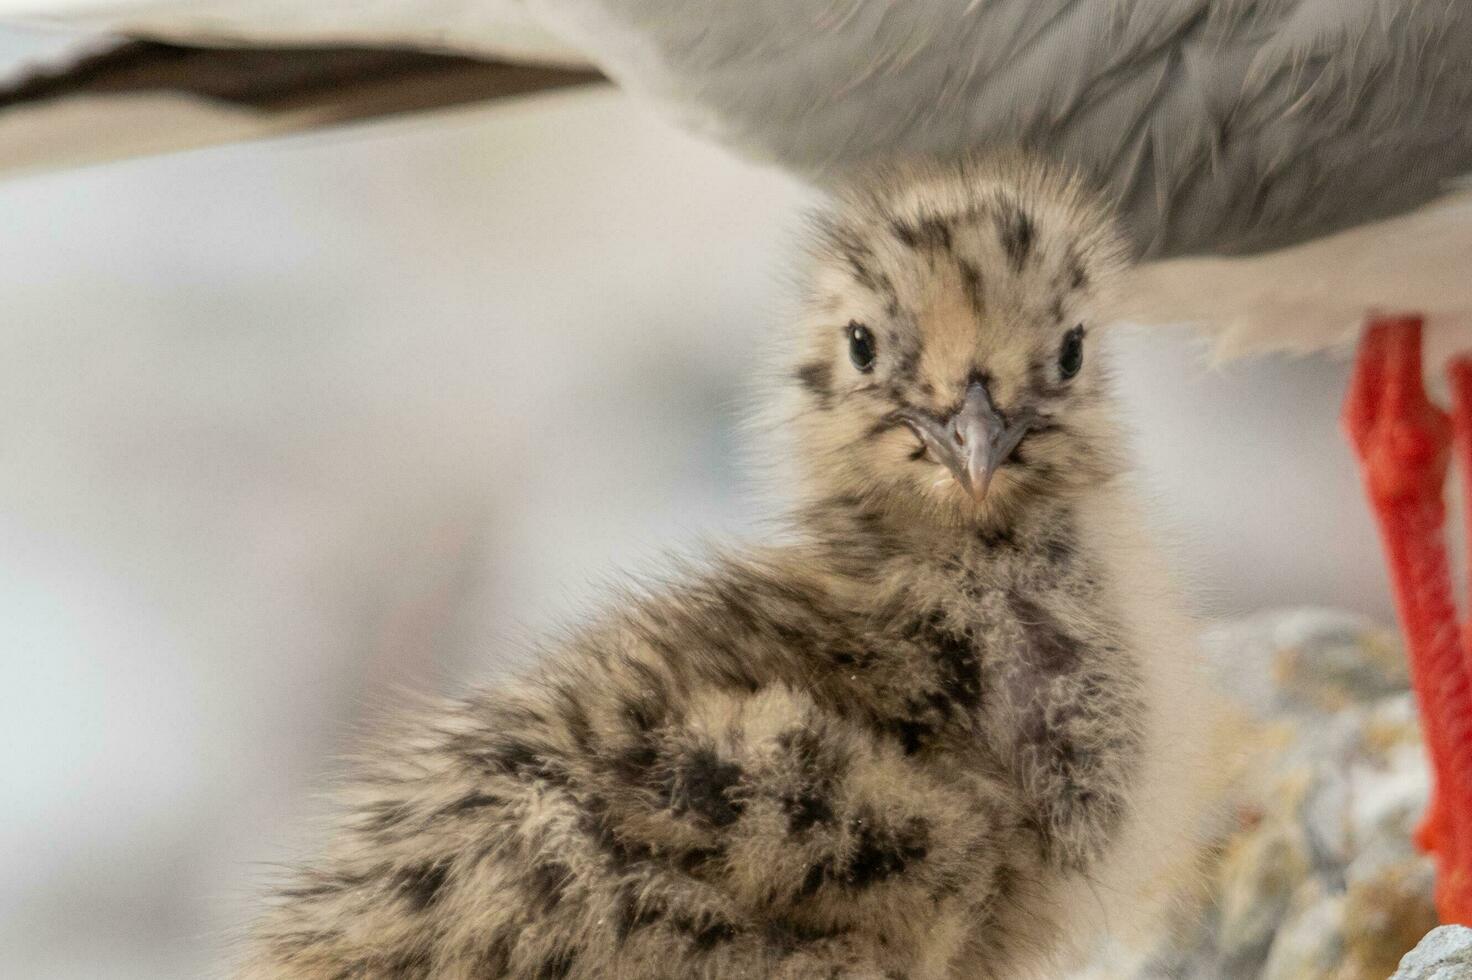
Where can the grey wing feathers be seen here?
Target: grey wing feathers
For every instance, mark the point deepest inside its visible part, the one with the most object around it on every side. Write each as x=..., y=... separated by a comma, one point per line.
x=1220, y=125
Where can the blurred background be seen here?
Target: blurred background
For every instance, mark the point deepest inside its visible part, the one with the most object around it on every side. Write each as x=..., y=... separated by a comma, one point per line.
x=290, y=427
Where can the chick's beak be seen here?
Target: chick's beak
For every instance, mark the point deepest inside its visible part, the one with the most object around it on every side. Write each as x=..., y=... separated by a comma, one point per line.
x=974, y=441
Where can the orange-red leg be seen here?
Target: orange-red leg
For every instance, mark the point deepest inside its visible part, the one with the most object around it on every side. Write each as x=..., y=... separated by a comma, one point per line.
x=1456, y=904
x=1403, y=442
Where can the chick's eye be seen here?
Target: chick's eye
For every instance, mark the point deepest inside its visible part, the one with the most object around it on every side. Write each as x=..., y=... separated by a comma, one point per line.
x=860, y=346
x=1071, y=353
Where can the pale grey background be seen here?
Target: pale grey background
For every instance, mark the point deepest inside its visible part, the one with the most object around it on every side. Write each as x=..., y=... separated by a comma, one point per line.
x=285, y=425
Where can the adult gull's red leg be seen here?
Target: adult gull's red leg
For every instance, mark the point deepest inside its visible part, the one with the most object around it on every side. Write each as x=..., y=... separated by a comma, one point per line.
x=1459, y=372
x=1403, y=443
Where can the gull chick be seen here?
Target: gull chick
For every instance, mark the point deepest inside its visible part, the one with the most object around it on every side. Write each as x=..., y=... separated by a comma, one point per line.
x=945, y=725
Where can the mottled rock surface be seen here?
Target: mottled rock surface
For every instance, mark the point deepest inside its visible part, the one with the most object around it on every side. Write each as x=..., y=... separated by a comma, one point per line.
x=1445, y=954
x=1312, y=874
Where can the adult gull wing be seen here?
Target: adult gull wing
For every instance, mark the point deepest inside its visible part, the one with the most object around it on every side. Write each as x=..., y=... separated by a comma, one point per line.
x=1330, y=128
x=505, y=30
x=1317, y=143
x=1224, y=126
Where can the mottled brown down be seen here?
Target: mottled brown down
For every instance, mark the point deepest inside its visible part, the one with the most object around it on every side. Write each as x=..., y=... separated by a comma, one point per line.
x=913, y=737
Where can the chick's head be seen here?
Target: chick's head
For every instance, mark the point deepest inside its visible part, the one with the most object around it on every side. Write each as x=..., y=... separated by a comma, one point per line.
x=948, y=361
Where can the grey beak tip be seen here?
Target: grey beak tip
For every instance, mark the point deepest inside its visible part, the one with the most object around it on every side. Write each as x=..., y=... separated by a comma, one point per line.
x=974, y=442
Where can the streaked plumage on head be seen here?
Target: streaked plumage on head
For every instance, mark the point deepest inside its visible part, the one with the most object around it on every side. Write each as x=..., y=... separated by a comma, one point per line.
x=946, y=728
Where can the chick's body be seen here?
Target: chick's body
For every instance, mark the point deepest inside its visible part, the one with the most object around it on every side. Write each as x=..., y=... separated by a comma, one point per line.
x=946, y=729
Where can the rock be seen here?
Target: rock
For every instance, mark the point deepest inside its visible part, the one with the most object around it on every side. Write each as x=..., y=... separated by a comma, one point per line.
x=1390, y=772
x=1315, y=876
x=1309, y=943
x=1305, y=660
x=1259, y=874
x=1445, y=954
x=1385, y=911
x=1328, y=661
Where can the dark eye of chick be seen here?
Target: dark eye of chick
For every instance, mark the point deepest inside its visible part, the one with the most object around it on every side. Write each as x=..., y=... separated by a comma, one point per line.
x=860, y=346
x=1071, y=353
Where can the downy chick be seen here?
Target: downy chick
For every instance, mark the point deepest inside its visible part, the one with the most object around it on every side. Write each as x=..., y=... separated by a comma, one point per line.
x=947, y=727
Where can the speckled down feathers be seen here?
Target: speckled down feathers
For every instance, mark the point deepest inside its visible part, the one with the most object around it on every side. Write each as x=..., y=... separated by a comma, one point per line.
x=920, y=738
